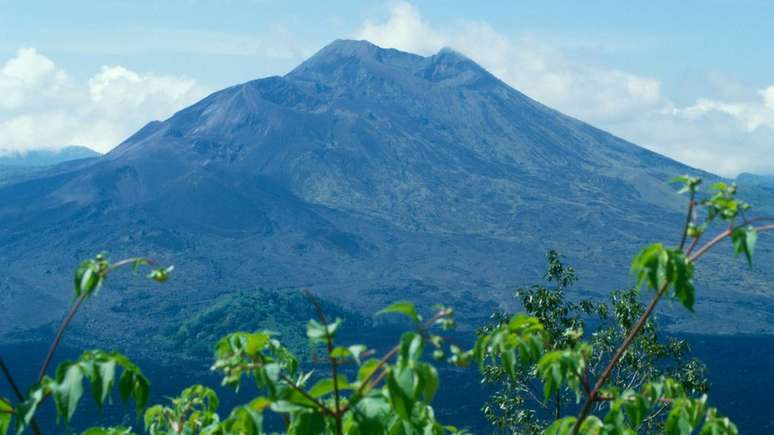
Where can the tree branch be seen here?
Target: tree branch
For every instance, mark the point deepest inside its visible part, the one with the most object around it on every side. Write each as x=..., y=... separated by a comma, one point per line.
x=59, y=334
x=334, y=364
x=11, y=382
x=18, y=393
x=74, y=310
x=688, y=218
x=617, y=357
x=709, y=245
x=128, y=261
x=641, y=322
x=301, y=391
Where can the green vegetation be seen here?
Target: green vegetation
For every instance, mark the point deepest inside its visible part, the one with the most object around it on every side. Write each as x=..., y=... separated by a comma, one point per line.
x=517, y=407
x=619, y=388
x=284, y=313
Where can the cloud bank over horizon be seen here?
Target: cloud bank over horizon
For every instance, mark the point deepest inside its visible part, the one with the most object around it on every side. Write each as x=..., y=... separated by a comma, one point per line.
x=725, y=136
x=42, y=107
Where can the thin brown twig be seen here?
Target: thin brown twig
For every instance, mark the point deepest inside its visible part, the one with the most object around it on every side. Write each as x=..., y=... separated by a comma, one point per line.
x=301, y=391
x=709, y=245
x=74, y=310
x=11, y=382
x=617, y=357
x=379, y=366
x=59, y=334
x=128, y=261
x=378, y=379
x=334, y=363
x=688, y=218
x=693, y=244
x=759, y=219
x=7, y=373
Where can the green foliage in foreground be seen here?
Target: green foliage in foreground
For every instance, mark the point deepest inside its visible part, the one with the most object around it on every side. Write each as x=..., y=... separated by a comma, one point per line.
x=392, y=393
x=517, y=407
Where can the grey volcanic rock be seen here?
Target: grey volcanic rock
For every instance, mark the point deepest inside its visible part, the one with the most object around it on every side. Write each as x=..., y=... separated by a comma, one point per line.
x=365, y=173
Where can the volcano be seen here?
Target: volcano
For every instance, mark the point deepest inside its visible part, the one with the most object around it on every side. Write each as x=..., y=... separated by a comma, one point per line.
x=368, y=175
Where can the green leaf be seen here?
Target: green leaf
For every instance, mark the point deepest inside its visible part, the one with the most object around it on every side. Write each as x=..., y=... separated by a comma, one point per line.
x=660, y=267
x=645, y=265
x=428, y=380
x=744, y=240
x=162, y=274
x=25, y=411
x=372, y=415
x=87, y=278
x=68, y=389
x=562, y=426
x=135, y=385
x=402, y=307
x=401, y=387
x=689, y=184
x=120, y=430
x=317, y=332
x=308, y=422
x=340, y=353
x=245, y=420
x=6, y=411
x=102, y=380
x=719, y=186
x=683, y=279
x=411, y=347
x=367, y=368
x=635, y=407
x=356, y=350
x=325, y=386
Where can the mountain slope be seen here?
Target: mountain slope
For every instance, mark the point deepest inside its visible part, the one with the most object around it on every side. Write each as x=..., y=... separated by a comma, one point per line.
x=369, y=174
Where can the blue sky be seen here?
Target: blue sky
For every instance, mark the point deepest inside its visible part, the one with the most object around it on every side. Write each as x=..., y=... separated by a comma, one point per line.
x=693, y=80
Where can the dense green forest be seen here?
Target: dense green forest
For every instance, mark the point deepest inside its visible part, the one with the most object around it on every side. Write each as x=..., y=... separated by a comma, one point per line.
x=558, y=366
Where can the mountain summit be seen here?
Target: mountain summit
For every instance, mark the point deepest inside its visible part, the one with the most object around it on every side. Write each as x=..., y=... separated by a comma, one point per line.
x=369, y=174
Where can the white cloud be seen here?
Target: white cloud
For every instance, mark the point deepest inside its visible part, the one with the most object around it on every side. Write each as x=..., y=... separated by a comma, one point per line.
x=42, y=108
x=535, y=68
x=405, y=30
x=724, y=135
x=27, y=77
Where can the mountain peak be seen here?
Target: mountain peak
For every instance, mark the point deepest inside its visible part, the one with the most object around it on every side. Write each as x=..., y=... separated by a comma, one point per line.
x=452, y=55
x=346, y=61
x=351, y=47
x=453, y=67
x=344, y=56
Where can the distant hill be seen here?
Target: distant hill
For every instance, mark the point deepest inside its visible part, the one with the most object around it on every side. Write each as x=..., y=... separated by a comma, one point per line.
x=45, y=157
x=369, y=175
x=754, y=179
x=16, y=165
x=9, y=173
